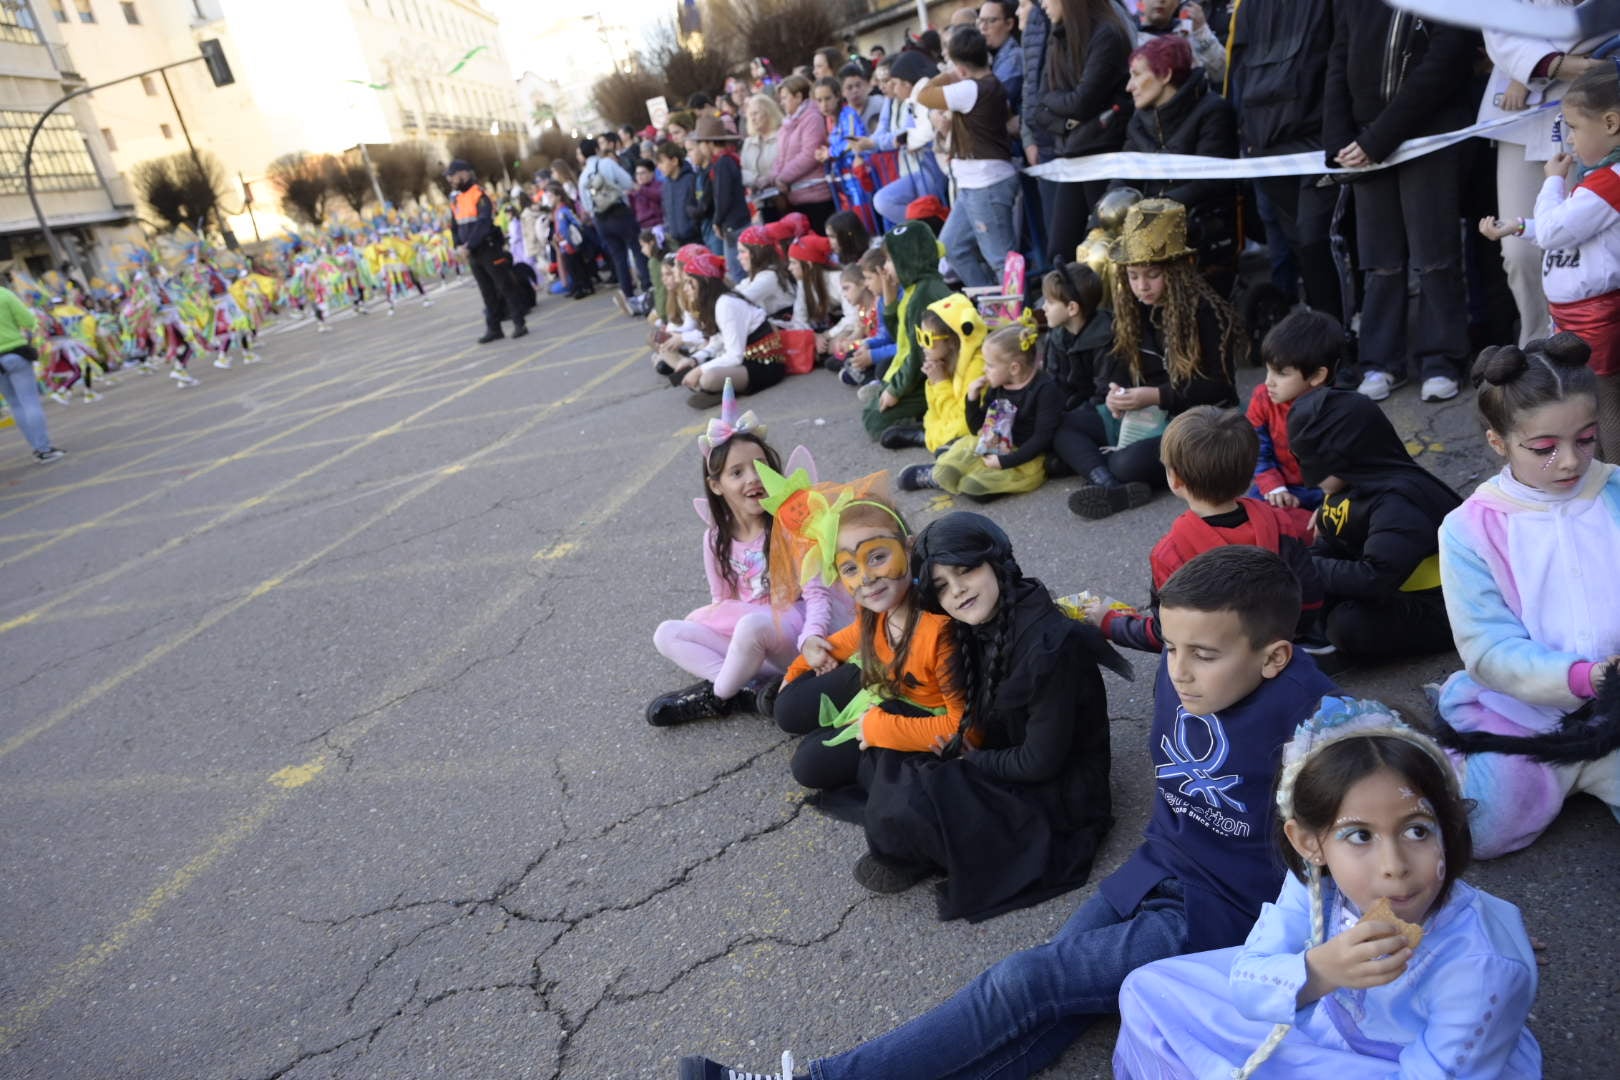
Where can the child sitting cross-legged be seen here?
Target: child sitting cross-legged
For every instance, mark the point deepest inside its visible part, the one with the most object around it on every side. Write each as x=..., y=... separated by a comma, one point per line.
x=952, y=336
x=1300, y=354
x=1376, y=959
x=854, y=329
x=1228, y=695
x=1015, y=407
x=1208, y=456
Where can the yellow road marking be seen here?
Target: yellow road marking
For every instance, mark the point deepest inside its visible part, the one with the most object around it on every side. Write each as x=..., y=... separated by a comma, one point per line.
x=296, y=776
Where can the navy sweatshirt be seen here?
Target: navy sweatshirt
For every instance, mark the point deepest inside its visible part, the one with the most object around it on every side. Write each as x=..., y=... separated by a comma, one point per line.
x=1212, y=815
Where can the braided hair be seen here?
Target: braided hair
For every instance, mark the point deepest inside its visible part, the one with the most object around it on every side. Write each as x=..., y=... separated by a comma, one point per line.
x=979, y=662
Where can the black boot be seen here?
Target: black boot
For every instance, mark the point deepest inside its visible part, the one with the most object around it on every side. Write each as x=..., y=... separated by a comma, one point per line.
x=491, y=334
x=519, y=329
x=696, y=702
x=1104, y=496
x=901, y=437
x=765, y=699
x=885, y=876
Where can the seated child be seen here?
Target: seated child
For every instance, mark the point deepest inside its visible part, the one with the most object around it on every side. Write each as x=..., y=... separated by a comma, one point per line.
x=881, y=681
x=768, y=283
x=1376, y=959
x=1208, y=458
x=851, y=334
x=652, y=304
x=912, y=266
x=1377, y=547
x=1079, y=337
x=1528, y=565
x=952, y=337
x=1301, y=354
x=815, y=302
x=1228, y=695
x=1015, y=407
x=873, y=355
x=1015, y=815
x=736, y=640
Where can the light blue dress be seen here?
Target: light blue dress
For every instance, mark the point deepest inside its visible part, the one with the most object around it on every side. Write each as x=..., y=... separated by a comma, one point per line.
x=1458, y=1010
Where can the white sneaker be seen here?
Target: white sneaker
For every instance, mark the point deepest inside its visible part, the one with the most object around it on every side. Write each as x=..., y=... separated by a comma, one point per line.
x=1377, y=385
x=322, y=328
x=869, y=390
x=390, y=311
x=185, y=380
x=61, y=397
x=250, y=358
x=426, y=302
x=223, y=363
x=1439, y=388
x=91, y=395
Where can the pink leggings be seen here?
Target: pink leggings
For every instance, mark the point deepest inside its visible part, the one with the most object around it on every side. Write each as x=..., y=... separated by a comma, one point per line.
x=758, y=644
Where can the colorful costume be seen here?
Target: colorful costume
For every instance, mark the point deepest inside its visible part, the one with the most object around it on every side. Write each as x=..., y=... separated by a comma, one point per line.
x=848, y=175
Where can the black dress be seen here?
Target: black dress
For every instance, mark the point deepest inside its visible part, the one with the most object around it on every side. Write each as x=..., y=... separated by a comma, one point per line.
x=1019, y=820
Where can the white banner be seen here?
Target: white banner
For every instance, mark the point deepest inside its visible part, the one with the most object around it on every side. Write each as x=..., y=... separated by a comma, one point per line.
x=1311, y=163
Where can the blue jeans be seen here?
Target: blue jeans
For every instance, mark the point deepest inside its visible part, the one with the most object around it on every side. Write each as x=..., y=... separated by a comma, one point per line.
x=979, y=232
x=21, y=391
x=892, y=199
x=1019, y=1016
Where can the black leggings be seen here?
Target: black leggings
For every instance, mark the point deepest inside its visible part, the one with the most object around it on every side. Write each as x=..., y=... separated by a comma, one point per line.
x=798, y=712
x=1404, y=624
x=1079, y=442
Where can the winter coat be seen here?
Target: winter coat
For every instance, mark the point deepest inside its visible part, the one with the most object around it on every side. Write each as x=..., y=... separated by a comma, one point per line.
x=1279, y=68
x=1087, y=115
x=1392, y=76
x=798, y=173
x=679, y=225
x=1084, y=364
x=1196, y=121
x=1211, y=383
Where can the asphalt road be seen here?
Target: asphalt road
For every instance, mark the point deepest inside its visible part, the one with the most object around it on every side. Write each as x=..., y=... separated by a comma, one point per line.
x=322, y=752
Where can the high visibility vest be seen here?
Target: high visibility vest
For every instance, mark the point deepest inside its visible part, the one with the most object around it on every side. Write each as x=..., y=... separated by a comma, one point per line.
x=465, y=207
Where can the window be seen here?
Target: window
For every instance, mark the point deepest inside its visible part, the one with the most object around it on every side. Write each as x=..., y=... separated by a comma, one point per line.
x=61, y=162
x=149, y=86
x=168, y=132
x=107, y=137
x=130, y=14
x=17, y=25
x=59, y=9
x=86, y=15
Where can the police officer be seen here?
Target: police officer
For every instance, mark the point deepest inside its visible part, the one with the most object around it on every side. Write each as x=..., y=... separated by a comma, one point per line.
x=482, y=242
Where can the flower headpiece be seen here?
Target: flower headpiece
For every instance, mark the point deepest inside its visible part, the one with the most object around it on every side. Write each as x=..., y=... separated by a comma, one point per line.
x=1029, y=331
x=721, y=428
x=1340, y=718
x=804, y=539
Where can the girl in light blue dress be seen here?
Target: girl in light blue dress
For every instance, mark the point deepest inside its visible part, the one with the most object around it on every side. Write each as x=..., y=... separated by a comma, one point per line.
x=1368, y=810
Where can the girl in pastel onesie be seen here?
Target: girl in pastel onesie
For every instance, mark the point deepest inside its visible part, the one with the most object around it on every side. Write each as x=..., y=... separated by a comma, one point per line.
x=736, y=639
x=1528, y=570
x=1369, y=812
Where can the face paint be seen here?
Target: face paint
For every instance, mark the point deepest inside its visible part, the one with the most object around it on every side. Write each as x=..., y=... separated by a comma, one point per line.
x=1440, y=871
x=1407, y=793
x=1426, y=806
x=879, y=557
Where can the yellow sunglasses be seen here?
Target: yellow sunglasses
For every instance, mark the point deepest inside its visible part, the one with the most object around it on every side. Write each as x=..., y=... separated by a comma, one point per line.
x=927, y=338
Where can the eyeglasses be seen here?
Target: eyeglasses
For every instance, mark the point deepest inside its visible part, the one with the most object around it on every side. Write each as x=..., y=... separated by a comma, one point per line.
x=927, y=338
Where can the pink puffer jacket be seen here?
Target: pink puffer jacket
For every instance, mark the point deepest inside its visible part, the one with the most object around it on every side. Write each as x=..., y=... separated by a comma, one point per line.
x=797, y=171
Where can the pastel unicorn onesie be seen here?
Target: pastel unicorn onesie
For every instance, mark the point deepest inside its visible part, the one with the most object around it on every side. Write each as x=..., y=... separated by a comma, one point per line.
x=1534, y=602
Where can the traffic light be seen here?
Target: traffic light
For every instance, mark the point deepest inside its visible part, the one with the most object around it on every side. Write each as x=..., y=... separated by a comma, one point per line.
x=219, y=69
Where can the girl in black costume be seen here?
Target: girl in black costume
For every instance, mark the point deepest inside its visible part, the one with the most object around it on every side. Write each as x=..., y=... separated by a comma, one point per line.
x=1019, y=818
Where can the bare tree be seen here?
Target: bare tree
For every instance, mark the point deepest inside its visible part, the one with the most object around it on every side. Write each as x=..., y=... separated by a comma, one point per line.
x=352, y=183
x=621, y=97
x=491, y=156
x=181, y=189
x=684, y=72
x=304, y=182
x=404, y=171
x=785, y=32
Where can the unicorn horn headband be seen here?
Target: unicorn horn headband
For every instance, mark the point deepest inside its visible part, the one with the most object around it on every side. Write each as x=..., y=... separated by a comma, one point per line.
x=721, y=428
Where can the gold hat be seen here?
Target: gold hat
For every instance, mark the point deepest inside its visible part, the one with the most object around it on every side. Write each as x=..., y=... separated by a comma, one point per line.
x=1155, y=232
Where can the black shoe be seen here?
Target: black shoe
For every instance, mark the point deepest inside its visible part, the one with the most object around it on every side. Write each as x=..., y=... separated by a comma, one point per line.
x=677, y=375
x=765, y=699
x=702, y=1068
x=880, y=876
x=696, y=702
x=663, y=368
x=491, y=335
x=743, y=701
x=519, y=330
x=704, y=399
x=902, y=437
x=917, y=478
x=1095, y=501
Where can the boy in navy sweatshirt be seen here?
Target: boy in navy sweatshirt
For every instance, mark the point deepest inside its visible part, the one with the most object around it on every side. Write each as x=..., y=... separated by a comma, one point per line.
x=1229, y=694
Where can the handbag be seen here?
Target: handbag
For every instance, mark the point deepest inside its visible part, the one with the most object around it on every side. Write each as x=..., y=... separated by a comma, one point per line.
x=800, y=349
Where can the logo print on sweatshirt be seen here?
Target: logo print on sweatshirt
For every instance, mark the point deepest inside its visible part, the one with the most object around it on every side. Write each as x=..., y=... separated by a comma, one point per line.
x=1200, y=774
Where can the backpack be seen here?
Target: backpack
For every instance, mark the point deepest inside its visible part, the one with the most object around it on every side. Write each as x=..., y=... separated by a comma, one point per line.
x=604, y=193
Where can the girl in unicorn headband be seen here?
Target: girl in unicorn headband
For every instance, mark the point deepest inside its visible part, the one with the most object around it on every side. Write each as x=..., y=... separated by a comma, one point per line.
x=1376, y=959
x=736, y=644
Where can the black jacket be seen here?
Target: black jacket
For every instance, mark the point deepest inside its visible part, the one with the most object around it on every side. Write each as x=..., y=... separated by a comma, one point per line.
x=1211, y=384
x=679, y=224
x=1392, y=76
x=1087, y=116
x=1196, y=121
x=1084, y=364
x=1373, y=535
x=719, y=197
x=1278, y=70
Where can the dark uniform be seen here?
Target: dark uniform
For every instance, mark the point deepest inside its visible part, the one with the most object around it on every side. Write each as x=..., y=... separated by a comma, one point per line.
x=491, y=264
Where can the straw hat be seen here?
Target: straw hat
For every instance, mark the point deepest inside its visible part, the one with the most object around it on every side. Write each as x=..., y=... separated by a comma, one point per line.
x=1155, y=232
x=711, y=129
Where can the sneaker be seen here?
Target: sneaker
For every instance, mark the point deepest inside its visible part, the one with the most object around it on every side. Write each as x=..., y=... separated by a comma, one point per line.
x=917, y=478
x=622, y=303
x=391, y=311
x=851, y=376
x=426, y=302
x=323, y=329
x=1315, y=643
x=250, y=358
x=1096, y=501
x=703, y=399
x=888, y=878
x=696, y=702
x=870, y=391
x=223, y=362
x=61, y=397
x=89, y=396
x=1439, y=388
x=183, y=380
x=46, y=456
x=701, y=1068
x=1378, y=385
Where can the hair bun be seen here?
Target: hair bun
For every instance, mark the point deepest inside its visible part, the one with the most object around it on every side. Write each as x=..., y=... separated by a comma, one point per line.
x=1498, y=365
x=1563, y=349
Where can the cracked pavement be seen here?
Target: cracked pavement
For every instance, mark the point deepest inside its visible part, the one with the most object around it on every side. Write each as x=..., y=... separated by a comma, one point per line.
x=394, y=812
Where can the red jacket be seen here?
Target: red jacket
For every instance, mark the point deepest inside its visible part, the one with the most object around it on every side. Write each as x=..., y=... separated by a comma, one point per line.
x=1277, y=467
